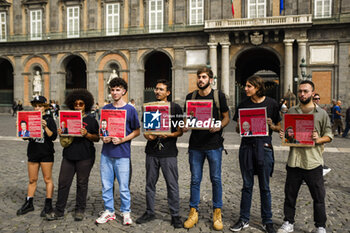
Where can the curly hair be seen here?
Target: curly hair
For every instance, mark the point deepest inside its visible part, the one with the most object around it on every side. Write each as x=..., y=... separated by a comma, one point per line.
x=80, y=94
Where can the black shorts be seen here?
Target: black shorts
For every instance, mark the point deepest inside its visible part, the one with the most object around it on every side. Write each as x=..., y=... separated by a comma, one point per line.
x=47, y=159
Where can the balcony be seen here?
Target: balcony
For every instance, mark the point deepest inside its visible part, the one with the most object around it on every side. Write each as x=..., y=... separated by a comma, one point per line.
x=290, y=20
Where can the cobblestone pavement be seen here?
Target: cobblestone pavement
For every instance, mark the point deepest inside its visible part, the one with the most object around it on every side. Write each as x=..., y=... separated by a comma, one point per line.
x=13, y=185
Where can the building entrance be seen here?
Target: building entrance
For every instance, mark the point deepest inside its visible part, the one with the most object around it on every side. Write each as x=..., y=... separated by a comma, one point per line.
x=75, y=73
x=6, y=83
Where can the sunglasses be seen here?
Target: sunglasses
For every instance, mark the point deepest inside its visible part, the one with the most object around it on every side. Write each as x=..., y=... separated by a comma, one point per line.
x=79, y=104
x=316, y=98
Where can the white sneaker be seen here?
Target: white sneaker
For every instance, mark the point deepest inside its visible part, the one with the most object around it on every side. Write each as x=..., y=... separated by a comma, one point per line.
x=326, y=171
x=320, y=230
x=126, y=218
x=286, y=227
x=105, y=216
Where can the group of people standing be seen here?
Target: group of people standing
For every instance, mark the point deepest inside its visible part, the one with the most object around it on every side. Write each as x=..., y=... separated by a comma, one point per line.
x=256, y=157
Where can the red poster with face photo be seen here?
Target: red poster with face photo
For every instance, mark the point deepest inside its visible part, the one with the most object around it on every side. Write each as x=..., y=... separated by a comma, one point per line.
x=113, y=123
x=199, y=114
x=71, y=123
x=298, y=130
x=156, y=118
x=29, y=124
x=253, y=122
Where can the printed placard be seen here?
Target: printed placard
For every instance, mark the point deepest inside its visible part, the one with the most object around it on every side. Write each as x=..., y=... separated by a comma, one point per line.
x=298, y=130
x=70, y=123
x=199, y=114
x=29, y=124
x=112, y=123
x=253, y=122
x=156, y=118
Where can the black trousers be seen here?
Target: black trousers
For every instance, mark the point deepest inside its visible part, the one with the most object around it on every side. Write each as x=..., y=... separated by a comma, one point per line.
x=68, y=168
x=171, y=176
x=314, y=180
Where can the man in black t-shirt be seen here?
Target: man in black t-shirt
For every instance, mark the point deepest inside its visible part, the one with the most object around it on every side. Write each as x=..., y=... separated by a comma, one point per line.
x=207, y=144
x=161, y=152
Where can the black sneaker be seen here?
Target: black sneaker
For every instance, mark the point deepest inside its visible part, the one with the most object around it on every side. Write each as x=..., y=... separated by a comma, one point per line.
x=146, y=217
x=269, y=228
x=176, y=221
x=54, y=216
x=239, y=225
x=78, y=216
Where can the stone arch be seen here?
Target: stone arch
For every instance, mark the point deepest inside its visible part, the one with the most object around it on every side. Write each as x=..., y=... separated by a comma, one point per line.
x=6, y=81
x=65, y=59
x=146, y=54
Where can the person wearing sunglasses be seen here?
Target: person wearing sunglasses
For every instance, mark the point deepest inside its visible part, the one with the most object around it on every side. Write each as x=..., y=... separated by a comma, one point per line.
x=78, y=156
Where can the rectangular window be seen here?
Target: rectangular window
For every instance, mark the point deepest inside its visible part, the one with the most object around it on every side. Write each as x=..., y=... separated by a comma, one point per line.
x=73, y=21
x=323, y=8
x=2, y=26
x=35, y=25
x=256, y=8
x=196, y=12
x=112, y=19
x=155, y=15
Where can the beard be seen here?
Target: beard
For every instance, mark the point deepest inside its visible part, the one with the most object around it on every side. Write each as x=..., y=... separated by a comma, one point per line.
x=305, y=101
x=203, y=87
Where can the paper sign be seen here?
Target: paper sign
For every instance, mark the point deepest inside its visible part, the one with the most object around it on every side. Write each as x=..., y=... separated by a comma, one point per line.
x=199, y=114
x=70, y=123
x=29, y=124
x=253, y=122
x=298, y=130
x=156, y=118
x=113, y=123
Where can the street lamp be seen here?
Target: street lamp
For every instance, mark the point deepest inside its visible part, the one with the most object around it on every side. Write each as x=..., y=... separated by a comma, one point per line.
x=302, y=66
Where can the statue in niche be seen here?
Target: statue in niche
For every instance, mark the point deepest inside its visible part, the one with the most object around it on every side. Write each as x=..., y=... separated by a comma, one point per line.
x=112, y=76
x=37, y=83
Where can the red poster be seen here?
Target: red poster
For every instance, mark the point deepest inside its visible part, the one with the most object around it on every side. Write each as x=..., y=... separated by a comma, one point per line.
x=298, y=130
x=71, y=123
x=29, y=124
x=156, y=118
x=113, y=123
x=253, y=122
x=199, y=114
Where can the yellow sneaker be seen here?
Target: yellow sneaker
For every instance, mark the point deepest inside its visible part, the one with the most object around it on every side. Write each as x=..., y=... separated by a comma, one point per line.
x=217, y=220
x=192, y=219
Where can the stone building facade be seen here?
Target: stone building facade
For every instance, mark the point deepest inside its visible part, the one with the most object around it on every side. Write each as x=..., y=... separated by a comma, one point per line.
x=77, y=43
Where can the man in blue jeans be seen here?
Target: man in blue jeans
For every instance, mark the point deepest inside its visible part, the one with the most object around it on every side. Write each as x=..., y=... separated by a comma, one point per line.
x=256, y=155
x=207, y=144
x=115, y=156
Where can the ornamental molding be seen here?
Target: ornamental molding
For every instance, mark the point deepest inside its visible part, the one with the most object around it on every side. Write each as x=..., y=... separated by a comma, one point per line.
x=256, y=38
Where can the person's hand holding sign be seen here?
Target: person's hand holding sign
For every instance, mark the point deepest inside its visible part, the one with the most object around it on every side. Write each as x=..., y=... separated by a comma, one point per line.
x=117, y=141
x=106, y=139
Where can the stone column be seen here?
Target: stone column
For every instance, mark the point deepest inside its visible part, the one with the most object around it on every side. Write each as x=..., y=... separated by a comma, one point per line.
x=179, y=80
x=92, y=80
x=18, y=81
x=288, y=65
x=53, y=78
x=213, y=57
x=225, y=67
x=301, y=53
x=136, y=80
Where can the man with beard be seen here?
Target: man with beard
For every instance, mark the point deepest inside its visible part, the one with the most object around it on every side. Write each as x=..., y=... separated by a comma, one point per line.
x=305, y=163
x=161, y=153
x=207, y=144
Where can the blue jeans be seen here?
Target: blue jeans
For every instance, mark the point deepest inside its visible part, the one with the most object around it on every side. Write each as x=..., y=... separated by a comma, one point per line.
x=111, y=168
x=196, y=159
x=264, y=186
x=347, y=128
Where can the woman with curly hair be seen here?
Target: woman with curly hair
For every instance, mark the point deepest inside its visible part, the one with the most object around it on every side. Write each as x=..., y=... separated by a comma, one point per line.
x=78, y=156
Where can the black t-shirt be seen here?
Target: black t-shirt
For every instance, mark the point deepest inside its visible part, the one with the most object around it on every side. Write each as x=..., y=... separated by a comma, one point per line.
x=166, y=147
x=203, y=139
x=82, y=148
x=43, y=147
x=272, y=110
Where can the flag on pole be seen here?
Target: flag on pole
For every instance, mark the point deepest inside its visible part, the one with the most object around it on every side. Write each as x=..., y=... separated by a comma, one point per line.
x=281, y=6
x=233, y=9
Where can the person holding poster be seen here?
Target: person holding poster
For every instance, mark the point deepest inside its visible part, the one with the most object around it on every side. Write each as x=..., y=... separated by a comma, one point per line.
x=207, y=144
x=103, y=130
x=23, y=132
x=115, y=157
x=40, y=153
x=78, y=156
x=305, y=163
x=256, y=155
x=161, y=152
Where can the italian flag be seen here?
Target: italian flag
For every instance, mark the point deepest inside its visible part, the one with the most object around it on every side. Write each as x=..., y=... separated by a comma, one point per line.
x=233, y=9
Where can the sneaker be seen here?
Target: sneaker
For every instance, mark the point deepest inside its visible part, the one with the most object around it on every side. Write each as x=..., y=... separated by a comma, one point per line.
x=176, y=221
x=146, y=217
x=239, y=225
x=54, y=215
x=78, y=216
x=105, y=216
x=326, y=170
x=269, y=228
x=286, y=227
x=320, y=230
x=126, y=218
